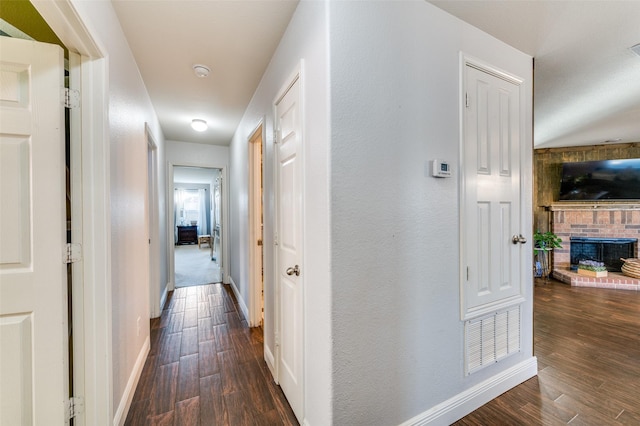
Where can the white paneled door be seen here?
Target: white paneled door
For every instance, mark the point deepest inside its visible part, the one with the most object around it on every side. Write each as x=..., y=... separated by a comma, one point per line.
x=492, y=225
x=33, y=313
x=290, y=271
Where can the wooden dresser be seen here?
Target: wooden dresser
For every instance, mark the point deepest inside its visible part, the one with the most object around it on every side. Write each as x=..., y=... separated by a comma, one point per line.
x=187, y=235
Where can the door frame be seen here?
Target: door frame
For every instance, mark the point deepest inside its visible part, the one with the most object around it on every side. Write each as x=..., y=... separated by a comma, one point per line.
x=153, y=226
x=525, y=203
x=224, y=267
x=256, y=205
x=295, y=76
x=93, y=314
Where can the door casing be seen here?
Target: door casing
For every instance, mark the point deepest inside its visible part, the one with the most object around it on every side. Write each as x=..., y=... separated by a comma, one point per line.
x=92, y=306
x=297, y=400
x=256, y=258
x=523, y=219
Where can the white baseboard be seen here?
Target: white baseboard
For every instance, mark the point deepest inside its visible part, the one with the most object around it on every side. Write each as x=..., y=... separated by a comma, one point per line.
x=132, y=383
x=243, y=306
x=473, y=398
x=271, y=362
x=163, y=297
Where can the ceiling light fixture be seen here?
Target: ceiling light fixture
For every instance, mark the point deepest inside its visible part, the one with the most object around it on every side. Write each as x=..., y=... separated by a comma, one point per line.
x=613, y=140
x=201, y=71
x=199, y=125
x=635, y=49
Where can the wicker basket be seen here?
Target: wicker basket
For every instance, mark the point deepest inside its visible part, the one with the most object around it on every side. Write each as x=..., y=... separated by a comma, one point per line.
x=631, y=267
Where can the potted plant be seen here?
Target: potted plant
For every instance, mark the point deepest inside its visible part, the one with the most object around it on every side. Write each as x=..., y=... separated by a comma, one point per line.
x=592, y=268
x=543, y=243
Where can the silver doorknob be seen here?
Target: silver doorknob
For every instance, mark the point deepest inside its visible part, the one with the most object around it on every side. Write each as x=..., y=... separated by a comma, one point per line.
x=518, y=239
x=294, y=271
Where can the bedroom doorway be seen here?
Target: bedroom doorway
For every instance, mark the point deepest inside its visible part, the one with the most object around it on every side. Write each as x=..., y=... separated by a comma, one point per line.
x=196, y=225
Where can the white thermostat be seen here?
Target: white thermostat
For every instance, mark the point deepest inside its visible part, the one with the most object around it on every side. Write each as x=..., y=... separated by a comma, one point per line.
x=441, y=169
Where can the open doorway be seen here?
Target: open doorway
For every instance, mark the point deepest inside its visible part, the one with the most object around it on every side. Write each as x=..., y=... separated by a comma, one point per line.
x=256, y=226
x=196, y=225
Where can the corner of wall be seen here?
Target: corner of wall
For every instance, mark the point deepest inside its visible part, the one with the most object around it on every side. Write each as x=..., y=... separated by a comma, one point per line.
x=243, y=306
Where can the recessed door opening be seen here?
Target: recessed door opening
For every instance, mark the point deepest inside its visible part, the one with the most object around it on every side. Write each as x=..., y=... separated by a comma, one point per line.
x=256, y=226
x=197, y=225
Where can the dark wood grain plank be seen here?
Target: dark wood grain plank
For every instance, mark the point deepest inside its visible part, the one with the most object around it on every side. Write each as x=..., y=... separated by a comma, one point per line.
x=203, y=310
x=229, y=371
x=257, y=390
x=189, y=343
x=170, y=348
x=212, y=408
x=218, y=316
x=165, y=419
x=239, y=409
x=207, y=358
x=223, y=340
x=190, y=318
x=187, y=412
x=205, y=330
x=164, y=390
x=175, y=322
x=188, y=378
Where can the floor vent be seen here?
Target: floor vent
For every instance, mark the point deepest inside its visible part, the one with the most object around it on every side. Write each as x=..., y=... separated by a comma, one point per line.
x=492, y=338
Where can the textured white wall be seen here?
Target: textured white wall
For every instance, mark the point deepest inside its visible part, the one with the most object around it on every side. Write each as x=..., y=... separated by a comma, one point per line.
x=129, y=109
x=395, y=78
x=305, y=39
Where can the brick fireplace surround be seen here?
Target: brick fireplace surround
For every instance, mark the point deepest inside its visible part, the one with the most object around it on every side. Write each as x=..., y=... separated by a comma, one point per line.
x=595, y=221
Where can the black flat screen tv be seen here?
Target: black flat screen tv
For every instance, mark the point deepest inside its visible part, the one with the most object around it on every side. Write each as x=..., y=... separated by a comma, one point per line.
x=601, y=180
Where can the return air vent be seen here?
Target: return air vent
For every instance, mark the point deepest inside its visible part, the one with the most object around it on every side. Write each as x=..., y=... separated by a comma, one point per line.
x=492, y=338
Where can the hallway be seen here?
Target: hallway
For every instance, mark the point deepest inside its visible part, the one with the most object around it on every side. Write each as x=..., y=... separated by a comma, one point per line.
x=206, y=367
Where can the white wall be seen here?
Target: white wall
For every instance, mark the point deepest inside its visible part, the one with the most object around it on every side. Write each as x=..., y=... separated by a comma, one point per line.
x=305, y=39
x=395, y=101
x=129, y=109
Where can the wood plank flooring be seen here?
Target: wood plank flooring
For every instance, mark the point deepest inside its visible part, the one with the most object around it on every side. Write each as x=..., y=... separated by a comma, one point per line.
x=587, y=341
x=206, y=367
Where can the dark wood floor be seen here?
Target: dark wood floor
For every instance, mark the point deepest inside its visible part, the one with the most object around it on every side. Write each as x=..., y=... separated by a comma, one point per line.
x=587, y=342
x=206, y=367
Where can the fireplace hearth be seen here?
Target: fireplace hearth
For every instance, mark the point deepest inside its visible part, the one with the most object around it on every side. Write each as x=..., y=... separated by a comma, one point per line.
x=606, y=250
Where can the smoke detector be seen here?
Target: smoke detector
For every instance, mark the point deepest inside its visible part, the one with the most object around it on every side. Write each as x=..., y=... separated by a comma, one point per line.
x=201, y=71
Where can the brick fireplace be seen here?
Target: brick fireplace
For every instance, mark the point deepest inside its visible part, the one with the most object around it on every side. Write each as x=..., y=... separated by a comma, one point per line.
x=600, y=221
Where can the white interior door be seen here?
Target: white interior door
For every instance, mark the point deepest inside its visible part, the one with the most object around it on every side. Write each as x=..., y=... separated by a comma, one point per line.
x=33, y=314
x=289, y=269
x=491, y=193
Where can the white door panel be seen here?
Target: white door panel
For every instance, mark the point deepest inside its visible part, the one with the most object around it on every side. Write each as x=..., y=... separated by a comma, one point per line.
x=491, y=193
x=33, y=316
x=289, y=254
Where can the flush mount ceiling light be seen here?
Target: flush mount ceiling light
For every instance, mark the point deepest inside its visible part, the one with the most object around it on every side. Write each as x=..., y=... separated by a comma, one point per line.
x=613, y=140
x=199, y=125
x=635, y=49
x=201, y=71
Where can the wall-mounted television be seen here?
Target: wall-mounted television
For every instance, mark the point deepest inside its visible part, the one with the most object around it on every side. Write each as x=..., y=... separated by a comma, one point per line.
x=601, y=180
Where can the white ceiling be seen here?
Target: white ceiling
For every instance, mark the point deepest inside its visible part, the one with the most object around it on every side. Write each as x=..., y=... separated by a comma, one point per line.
x=235, y=38
x=587, y=81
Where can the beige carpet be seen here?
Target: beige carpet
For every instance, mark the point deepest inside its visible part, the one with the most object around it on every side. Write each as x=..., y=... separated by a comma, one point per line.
x=194, y=266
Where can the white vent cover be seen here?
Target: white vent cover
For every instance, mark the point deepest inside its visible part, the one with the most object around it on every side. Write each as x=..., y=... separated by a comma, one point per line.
x=491, y=338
